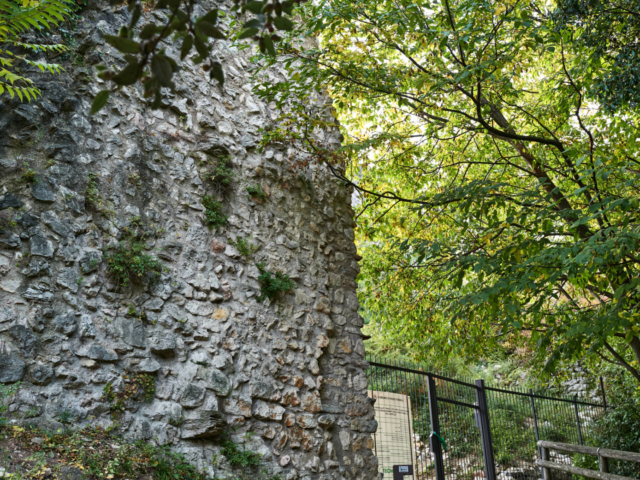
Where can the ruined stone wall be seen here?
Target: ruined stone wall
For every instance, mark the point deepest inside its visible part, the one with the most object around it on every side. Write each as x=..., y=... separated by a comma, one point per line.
x=290, y=371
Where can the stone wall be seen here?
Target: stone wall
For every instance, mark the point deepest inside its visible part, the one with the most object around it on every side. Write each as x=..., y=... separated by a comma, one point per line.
x=290, y=371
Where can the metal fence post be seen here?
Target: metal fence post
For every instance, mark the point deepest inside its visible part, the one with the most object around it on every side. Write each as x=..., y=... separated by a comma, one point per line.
x=546, y=471
x=485, y=431
x=535, y=419
x=575, y=404
x=604, y=397
x=436, y=447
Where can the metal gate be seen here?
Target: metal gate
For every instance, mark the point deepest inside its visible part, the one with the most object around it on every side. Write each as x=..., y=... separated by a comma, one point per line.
x=443, y=426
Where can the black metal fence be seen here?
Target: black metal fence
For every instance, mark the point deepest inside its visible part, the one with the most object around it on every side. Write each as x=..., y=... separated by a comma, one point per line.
x=451, y=428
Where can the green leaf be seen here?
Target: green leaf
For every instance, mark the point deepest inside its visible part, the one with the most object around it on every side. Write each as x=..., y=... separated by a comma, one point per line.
x=186, y=46
x=99, y=101
x=129, y=75
x=211, y=17
x=210, y=31
x=217, y=72
x=254, y=7
x=161, y=69
x=148, y=31
x=124, y=45
x=202, y=48
x=283, y=23
x=254, y=23
x=249, y=32
x=268, y=43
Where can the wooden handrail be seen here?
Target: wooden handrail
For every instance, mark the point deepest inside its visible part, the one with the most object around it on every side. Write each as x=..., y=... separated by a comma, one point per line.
x=599, y=452
x=602, y=453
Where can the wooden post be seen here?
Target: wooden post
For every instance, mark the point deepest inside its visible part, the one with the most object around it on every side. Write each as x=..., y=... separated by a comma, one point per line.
x=603, y=461
x=546, y=472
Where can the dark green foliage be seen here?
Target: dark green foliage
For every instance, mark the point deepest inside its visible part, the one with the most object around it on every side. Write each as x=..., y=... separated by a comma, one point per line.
x=256, y=192
x=213, y=212
x=220, y=175
x=240, y=457
x=147, y=62
x=28, y=175
x=618, y=429
x=611, y=33
x=271, y=285
x=127, y=261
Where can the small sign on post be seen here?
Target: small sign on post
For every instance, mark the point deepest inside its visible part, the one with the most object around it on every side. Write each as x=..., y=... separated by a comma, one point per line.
x=399, y=471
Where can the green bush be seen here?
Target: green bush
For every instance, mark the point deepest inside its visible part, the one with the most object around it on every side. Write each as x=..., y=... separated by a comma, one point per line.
x=272, y=284
x=617, y=429
x=213, y=212
x=220, y=175
x=256, y=192
x=127, y=261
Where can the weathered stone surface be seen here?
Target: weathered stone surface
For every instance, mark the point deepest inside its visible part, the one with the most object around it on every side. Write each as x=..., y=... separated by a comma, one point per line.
x=192, y=396
x=132, y=331
x=41, y=374
x=41, y=190
x=25, y=339
x=101, y=353
x=210, y=423
x=163, y=346
x=41, y=246
x=215, y=380
x=11, y=369
x=9, y=200
x=222, y=360
x=66, y=323
x=267, y=411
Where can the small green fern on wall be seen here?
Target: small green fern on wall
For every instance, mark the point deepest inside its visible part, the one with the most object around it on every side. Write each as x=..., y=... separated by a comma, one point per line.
x=16, y=19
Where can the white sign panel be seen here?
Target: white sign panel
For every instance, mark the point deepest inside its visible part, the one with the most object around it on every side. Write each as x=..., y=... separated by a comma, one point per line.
x=394, y=437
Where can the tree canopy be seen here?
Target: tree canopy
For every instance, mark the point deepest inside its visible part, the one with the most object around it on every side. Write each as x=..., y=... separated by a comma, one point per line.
x=497, y=181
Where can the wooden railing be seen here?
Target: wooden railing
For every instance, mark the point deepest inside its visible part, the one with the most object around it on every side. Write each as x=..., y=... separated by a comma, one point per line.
x=603, y=455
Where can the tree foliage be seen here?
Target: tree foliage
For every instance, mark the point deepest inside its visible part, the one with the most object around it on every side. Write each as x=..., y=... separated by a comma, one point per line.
x=611, y=31
x=147, y=61
x=18, y=17
x=498, y=207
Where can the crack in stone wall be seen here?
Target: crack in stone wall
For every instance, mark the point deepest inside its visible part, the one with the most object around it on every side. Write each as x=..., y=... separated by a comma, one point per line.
x=290, y=371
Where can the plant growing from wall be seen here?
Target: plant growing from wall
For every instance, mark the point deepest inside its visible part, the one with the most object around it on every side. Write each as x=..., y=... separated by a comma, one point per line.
x=138, y=386
x=127, y=261
x=272, y=284
x=93, y=199
x=16, y=19
x=28, y=174
x=213, y=212
x=256, y=192
x=245, y=248
x=220, y=175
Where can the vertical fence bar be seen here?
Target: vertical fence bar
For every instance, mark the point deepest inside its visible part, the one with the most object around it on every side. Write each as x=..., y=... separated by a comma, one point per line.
x=546, y=471
x=485, y=431
x=575, y=405
x=604, y=397
x=535, y=419
x=436, y=447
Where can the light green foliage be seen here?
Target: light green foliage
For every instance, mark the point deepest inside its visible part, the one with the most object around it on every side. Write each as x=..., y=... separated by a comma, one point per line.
x=497, y=210
x=28, y=175
x=127, y=261
x=256, y=192
x=213, y=212
x=94, y=199
x=138, y=387
x=245, y=248
x=16, y=19
x=272, y=284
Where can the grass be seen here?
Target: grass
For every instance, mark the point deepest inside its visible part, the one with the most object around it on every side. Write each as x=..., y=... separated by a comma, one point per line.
x=273, y=284
x=256, y=192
